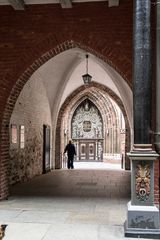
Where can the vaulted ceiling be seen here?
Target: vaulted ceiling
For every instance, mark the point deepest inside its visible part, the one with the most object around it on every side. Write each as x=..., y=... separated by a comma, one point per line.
x=62, y=75
x=20, y=4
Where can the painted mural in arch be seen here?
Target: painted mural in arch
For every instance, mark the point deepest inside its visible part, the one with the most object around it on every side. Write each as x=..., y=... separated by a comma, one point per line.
x=87, y=132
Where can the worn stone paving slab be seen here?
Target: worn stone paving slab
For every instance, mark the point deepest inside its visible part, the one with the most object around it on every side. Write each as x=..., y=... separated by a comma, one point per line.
x=89, y=218
x=72, y=232
x=41, y=217
x=26, y=231
x=7, y=215
x=34, y=231
x=66, y=205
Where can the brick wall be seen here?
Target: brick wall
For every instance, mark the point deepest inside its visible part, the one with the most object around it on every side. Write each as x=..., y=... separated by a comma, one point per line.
x=29, y=38
x=27, y=35
x=31, y=110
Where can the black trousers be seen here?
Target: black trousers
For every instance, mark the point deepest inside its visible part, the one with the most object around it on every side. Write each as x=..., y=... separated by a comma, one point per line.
x=70, y=162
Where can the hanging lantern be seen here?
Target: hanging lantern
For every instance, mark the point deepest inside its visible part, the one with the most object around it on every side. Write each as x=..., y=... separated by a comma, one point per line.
x=86, y=77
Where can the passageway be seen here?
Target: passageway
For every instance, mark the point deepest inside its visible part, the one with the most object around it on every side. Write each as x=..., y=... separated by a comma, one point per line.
x=73, y=74
x=68, y=204
x=65, y=204
x=108, y=183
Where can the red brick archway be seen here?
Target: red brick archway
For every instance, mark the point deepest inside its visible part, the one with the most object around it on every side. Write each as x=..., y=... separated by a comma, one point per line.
x=76, y=96
x=48, y=30
x=15, y=91
x=25, y=47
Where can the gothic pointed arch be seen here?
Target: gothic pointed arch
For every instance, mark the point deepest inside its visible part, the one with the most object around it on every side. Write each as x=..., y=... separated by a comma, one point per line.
x=87, y=131
x=72, y=103
x=17, y=79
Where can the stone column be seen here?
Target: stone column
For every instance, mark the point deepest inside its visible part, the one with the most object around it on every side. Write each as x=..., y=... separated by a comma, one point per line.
x=142, y=71
x=142, y=216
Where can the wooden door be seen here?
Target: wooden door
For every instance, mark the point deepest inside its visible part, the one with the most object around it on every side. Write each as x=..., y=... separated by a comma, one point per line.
x=46, y=148
x=87, y=151
x=91, y=151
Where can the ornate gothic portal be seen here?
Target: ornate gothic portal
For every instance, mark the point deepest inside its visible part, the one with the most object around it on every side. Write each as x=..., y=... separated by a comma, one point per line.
x=87, y=132
x=96, y=125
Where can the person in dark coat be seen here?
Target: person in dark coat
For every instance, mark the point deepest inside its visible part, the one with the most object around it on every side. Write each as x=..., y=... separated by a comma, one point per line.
x=71, y=151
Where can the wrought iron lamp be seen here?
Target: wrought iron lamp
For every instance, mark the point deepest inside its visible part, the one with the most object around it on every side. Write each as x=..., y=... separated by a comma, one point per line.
x=86, y=77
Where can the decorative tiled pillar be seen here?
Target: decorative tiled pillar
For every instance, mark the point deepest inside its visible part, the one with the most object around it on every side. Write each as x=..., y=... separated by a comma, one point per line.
x=157, y=142
x=142, y=216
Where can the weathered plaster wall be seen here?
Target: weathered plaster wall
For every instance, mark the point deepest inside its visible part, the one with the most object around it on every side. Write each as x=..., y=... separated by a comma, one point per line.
x=31, y=110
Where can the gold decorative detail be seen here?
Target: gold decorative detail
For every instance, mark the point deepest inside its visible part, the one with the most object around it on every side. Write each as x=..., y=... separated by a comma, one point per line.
x=87, y=126
x=143, y=181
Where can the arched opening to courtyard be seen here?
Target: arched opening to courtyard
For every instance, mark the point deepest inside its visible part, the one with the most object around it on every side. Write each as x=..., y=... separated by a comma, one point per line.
x=96, y=124
x=37, y=133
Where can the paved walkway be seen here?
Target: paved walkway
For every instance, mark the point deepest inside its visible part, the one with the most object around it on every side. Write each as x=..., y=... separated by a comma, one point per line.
x=79, y=204
x=96, y=165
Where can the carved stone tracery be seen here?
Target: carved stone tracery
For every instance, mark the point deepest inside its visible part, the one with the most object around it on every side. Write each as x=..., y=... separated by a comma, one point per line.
x=143, y=176
x=87, y=121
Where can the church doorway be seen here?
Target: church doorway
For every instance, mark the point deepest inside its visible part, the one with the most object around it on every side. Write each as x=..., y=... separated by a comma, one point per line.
x=87, y=132
x=87, y=150
x=98, y=128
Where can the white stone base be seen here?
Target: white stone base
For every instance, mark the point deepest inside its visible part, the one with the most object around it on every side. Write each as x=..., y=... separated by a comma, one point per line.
x=142, y=221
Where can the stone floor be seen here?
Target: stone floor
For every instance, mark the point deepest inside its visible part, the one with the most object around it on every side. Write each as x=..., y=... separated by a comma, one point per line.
x=79, y=204
x=96, y=165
